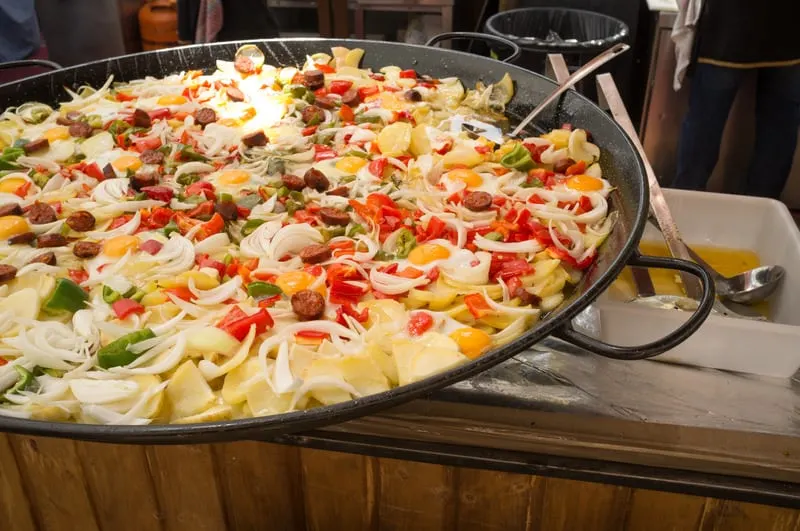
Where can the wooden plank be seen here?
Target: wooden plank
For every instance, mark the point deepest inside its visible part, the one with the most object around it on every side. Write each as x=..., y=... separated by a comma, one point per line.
x=650, y=510
x=339, y=489
x=15, y=510
x=569, y=505
x=490, y=500
x=120, y=486
x=725, y=515
x=186, y=487
x=260, y=483
x=52, y=473
x=417, y=496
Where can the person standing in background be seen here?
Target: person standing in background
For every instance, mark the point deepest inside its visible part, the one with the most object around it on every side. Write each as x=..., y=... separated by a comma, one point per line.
x=19, y=30
x=734, y=37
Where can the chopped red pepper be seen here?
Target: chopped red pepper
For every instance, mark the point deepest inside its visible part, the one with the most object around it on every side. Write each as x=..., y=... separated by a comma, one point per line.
x=435, y=229
x=159, y=217
x=181, y=292
x=78, y=276
x=585, y=204
x=125, y=307
x=419, y=323
x=210, y=227
x=203, y=260
x=365, y=92
x=514, y=268
x=159, y=193
x=477, y=305
x=142, y=144
x=322, y=152
x=327, y=69
x=157, y=114
x=377, y=167
x=122, y=96
x=310, y=130
x=577, y=168
x=408, y=74
x=151, y=246
x=340, y=86
x=347, y=309
x=237, y=323
x=120, y=221
x=346, y=113
x=341, y=272
x=201, y=187
x=342, y=291
x=93, y=170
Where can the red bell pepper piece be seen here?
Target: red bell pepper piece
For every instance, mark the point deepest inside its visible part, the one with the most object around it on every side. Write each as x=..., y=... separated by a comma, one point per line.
x=585, y=204
x=237, y=323
x=78, y=276
x=125, y=307
x=322, y=152
x=408, y=74
x=419, y=323
x=142, y=144
x=341, y=272
x=203, y=260
x=346, y=113
x=210, y=227
x=347, y=309
x=121, y=96
x=435, y=229
x=151, y=246
x=576, y=169
x=159, y=193
x=310, y=130
x=327, y=69
x=514, y=268
x=120, y=221
x=181, y=292
x=365, y=92
x=378, y=166
x=342, y=292
x=477, y=305
x=339, y=86
x=159, y=217
x=201, y=187
x=93, y=170
x=161, y=113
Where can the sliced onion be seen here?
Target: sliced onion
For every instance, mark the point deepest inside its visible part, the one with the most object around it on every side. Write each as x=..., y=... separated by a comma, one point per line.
x=193, y=167
x=392, y=285
x=211, y=371
x=212, y=243
x=216, y=295
x=291, y=239
x=126, y=229
x=282, y=377
x=527, y=246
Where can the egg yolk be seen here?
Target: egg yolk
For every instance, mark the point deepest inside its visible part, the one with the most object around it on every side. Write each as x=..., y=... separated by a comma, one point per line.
x=233, y=177
x=12, y=226
x=56, y=133
x=584, y=183
x=468, y=177
x=472, y=341
x=119, y=245
x=350, y=164
x=427, y=253
x=9, y=186
x=294, y=281
x=172, y=99
x=127, y=162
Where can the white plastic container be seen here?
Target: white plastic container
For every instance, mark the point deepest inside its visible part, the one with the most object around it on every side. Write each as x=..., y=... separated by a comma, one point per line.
x=764, y=226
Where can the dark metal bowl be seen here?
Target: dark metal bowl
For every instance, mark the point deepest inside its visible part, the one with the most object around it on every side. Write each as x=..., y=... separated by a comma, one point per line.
x=620, y=163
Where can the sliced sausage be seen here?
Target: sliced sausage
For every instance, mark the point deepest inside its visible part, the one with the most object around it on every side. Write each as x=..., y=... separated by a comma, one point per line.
x=36, y=145
x=293, y=182
x=48, y=258
x=244, y=64
x=316, y=179
x=80, y=130
x=7, y=272
x=151, y=156
x=205, y=116
x=141, y=119
x=314, y=79
x=227, y=209
x=109, y=172
x=254, y=139
x=50, y=240
x=478, y=201
x=341, y=191
x=86, y=249
x=332, y=216
x=308, y=305
x=412, y=95
x=316, y=253
x=10, y=209
x=526, y=298
x=81, y=221
x=325, y=102
x=313, y=115
x=68, y=119
x=562, y=165
x=25, y=237
x=41, y=213
x=234, y=94
x=143, y=180
x=351, y=97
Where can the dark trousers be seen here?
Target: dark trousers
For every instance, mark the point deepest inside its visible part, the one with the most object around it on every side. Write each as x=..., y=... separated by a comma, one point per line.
x=777, y=121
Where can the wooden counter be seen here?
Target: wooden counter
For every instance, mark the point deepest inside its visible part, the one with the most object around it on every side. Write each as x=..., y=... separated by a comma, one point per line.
x=52, y=484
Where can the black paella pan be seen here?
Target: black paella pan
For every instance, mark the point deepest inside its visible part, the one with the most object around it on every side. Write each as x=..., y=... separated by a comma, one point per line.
x=620, y=164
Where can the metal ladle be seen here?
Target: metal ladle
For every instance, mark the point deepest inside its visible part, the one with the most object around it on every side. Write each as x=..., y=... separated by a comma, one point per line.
x=750, y=287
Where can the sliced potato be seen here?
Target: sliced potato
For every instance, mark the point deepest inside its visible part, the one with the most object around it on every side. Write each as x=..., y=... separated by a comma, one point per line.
x=212, y=414
x=24, y=303
x=238, y=382
x=188, y=391
x=328, y=367
x=262, y=400
x=364, y=374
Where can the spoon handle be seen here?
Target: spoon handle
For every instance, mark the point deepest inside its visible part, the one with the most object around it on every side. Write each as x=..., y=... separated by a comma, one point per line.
x=578, y=75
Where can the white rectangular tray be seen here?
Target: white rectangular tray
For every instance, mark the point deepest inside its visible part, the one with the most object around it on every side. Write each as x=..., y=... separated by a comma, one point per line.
x=761, y=225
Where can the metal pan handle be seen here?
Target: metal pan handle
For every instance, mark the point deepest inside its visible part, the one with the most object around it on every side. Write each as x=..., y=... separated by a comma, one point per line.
x=569, y=334
x=25, y=63
x=472, y=36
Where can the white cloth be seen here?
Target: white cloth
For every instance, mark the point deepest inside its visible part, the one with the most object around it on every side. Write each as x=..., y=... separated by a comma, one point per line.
x=683, y=33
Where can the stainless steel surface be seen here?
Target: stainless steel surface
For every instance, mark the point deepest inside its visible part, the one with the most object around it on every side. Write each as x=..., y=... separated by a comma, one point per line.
x=578, y=75
x=658, y=204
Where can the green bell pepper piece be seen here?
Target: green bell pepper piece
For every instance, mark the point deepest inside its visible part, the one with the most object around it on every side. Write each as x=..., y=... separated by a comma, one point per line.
x=9, y=157
x=67, y=296
x=110, y=296
x=24, y=381
x=116, y=353
x=262, y=289
x=518, y=159
x=494, y=236
x=170, y=227
x=251, y=225
x=406, y=241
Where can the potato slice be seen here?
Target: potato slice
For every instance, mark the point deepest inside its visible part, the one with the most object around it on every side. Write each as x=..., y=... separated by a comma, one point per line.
x=188, y=391
x=238, y=382
x=212, y=414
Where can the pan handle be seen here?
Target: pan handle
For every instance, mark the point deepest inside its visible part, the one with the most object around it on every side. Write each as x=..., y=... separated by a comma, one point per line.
x=472, y=36
x=569, y=334
x=25, y=63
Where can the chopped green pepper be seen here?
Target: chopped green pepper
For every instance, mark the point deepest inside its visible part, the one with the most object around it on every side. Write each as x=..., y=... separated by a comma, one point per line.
x=310, y=97
x=188, y=178
x=249, y=201
x=9, y=157
x=170, y=227
x=405, y=243
x=110, y=296
x=298, y=196
x=67, y=296
x=251, y=225
x=40, y=115
x=532, y=183
x=40, y=179
x=95, y=121
x=225, y=198
x=118, y=127
x=330, y=233
x=188, y=153
x=494, y=236
x=24, y=381
x=383, y=256
x=357, y=153
x=138, y=295
x=347, y=179
x=361, y=119
x=262, y=289
x=297, y=91
x=116, y=353
x=355, y=229
x=293, y=206
x=283, y=191
x=518, y=159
